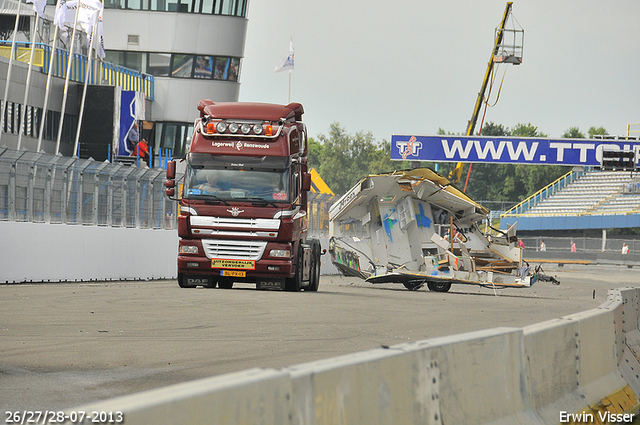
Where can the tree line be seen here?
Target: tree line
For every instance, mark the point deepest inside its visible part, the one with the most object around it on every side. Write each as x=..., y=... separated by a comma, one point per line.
x=342, y=159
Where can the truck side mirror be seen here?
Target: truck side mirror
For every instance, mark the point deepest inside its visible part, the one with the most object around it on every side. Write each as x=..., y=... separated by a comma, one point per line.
x=306, y=182
x=170, y=183
x=171, y=170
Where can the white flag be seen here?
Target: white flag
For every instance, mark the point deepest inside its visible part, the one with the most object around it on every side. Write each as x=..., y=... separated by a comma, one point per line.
x=60, y=17
x=38, y=7
x=87, y=13
x=287, y=63
x=99, y=46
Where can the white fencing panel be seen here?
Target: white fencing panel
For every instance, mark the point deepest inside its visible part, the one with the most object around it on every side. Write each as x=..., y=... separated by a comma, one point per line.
x=40, y=252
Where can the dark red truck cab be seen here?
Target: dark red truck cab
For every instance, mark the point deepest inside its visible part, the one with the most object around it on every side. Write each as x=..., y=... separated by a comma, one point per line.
x=243, y=199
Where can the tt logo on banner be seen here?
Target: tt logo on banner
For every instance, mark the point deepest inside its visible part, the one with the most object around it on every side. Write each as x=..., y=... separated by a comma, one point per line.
x=410, y=147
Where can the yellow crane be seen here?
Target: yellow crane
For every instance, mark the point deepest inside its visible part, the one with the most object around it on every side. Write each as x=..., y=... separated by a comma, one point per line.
x=501, y=53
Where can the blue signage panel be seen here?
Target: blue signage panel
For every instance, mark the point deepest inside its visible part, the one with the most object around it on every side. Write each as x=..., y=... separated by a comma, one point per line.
x=506, y=150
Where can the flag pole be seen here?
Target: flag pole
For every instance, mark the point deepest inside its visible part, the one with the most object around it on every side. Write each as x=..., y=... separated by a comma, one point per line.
x=287, y=63
x=6, y=85
x=84, y=91
x=66, y=80
x=48, y=88
x=290, y=72
x=26, y=89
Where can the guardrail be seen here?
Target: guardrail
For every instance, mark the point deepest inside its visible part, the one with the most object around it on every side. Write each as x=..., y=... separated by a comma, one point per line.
x=580, y=368
x=99, y=71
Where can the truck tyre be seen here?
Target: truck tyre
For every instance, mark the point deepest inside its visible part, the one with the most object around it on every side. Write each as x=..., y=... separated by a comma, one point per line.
x=439, y=286
x=314, y=277
x=294, y=284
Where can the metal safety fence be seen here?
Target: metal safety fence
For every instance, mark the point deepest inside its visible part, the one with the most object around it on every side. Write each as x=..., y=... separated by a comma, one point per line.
x=45, y=188
x=581, y=244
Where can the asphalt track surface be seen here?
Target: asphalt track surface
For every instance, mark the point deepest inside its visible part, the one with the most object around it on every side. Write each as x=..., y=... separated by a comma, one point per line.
x=67, y=344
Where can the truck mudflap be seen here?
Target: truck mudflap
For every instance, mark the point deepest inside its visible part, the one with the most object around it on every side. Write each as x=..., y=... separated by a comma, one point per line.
x=193, y=281
x=270, y=283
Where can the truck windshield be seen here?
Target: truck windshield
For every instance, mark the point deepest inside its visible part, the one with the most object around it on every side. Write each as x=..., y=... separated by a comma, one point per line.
x=237, y=185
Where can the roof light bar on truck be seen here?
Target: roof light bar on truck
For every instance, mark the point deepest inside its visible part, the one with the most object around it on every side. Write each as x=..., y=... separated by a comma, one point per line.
x=239, y=128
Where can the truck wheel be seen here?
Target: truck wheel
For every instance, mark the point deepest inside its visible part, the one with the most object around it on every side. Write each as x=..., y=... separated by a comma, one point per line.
x=314, y=278
x=294, y=284
x=439, y=286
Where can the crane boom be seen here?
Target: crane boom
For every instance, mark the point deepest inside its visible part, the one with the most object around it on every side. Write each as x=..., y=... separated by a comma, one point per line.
x=456, y=173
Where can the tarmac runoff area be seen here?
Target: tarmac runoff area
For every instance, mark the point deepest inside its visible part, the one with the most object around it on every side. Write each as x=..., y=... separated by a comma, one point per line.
x=69, y=344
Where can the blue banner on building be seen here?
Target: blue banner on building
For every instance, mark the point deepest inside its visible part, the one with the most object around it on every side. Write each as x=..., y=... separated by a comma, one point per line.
x=131, y=111
x=506, y=150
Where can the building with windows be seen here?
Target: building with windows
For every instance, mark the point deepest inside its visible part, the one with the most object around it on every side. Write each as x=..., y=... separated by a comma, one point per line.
x=171, y=51
x=193, y=49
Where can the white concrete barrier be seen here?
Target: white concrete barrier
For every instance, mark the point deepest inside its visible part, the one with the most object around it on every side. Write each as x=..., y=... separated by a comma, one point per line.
x=380, y=386
x=628, y=336
x=582, y=367
x=42, y=252
x=255, y=396
x=571, y=360
x=39, y=252
x=482, y=371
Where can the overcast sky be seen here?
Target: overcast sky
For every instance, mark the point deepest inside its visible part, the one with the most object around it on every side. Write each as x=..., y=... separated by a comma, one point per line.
x=414, y=66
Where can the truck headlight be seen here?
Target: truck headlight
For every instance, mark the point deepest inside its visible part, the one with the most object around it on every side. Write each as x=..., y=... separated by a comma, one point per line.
x=188, y=249
x=280, y=253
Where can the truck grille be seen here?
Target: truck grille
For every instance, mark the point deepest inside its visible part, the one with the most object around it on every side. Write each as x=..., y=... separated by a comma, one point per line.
x=235, y=223
x=241, y=250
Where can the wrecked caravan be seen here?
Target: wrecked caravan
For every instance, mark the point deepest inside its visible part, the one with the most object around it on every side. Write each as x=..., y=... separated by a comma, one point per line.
x=415, y=228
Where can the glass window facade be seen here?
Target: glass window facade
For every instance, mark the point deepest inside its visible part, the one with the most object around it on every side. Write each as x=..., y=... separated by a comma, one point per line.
x=182, y=66
x=212, y=7
x=204, y=67
x=159, y=64
x=178, y=65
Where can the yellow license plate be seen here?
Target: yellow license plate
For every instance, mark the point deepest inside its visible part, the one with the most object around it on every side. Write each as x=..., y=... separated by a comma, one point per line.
x=232, y=273
x=220, y=263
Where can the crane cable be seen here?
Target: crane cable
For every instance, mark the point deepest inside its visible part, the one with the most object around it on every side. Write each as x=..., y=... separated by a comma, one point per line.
x=486, y=101
x=486, y=104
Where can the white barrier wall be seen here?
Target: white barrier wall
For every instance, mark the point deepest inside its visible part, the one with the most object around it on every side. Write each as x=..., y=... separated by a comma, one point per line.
x=40, y=252
x=585, y=365
x=35, y=252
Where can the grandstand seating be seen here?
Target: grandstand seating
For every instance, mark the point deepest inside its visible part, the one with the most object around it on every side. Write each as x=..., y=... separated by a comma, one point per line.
x=595, y=192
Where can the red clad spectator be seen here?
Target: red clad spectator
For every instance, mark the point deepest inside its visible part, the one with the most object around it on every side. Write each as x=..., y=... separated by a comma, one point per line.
x=142, y=149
